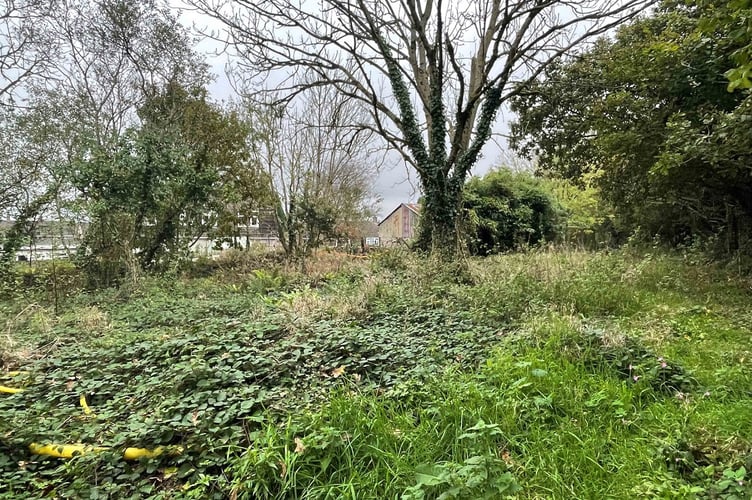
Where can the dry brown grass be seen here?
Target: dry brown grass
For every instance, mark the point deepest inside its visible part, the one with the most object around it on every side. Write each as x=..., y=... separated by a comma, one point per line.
x=94, y=320
x=328, y=262
x=14, y=353
x=305, y=307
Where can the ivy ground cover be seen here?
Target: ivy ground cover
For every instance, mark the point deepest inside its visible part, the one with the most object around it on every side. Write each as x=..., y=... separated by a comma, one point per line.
x=545, y=375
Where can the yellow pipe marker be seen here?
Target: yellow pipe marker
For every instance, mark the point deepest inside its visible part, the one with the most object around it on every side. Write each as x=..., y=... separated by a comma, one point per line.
x=71, y=450
x=62, y=450
x=136, y=453
x=11, y=390
x=82, y=401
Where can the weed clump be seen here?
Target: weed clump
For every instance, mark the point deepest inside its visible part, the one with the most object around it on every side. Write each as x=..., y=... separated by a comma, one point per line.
x=606, y=350
x=630, y=359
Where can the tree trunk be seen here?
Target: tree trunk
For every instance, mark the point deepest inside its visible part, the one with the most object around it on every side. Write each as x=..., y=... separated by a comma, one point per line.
x=441, y=217
x=21, y=228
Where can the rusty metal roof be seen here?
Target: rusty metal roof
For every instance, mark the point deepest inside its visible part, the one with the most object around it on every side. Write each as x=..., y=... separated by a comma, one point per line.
x=413, y=207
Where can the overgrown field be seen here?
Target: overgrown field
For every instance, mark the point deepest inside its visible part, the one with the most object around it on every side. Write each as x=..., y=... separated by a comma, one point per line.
x=544, y=375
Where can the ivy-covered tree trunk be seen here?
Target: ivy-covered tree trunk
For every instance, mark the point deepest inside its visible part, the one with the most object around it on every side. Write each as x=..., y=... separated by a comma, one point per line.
x=441, y=182
x=440, y=225
x=442, y=175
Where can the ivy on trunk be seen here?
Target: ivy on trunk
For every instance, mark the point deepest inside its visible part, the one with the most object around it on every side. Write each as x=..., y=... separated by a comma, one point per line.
x=432, y=73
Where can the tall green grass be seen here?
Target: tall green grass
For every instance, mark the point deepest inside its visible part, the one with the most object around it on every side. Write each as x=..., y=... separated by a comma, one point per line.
x=541, y=375
x=543, y=424
x=557, y=411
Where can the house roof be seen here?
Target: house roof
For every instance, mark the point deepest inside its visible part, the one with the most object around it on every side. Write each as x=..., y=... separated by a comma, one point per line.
x=413, y=207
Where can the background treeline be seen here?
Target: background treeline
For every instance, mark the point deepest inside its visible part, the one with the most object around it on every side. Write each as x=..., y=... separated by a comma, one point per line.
x=107, y=130
x=656, y=120
x=642, y=134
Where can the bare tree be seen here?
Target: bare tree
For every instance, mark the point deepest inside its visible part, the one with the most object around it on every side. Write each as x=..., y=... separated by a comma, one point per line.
x=432, y=72
x=319, y=166
x=112, y=55
x=25, y=48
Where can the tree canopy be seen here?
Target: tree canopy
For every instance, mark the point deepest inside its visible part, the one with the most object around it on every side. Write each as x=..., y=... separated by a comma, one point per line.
x=508, y=211
x=647, y=114
x=156, y=191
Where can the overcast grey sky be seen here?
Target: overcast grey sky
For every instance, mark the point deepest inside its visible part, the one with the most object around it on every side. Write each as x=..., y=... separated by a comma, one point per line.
x=395, y=184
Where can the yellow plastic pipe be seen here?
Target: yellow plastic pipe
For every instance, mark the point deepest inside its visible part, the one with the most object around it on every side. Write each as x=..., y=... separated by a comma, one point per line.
x=62, y=450
x=71, y=450
x=9, y=390
x=82, y=401
x=136, y=453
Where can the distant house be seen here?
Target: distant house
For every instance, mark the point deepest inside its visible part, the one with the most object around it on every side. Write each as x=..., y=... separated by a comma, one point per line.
x=257, y=229
x=400, y=225
x=48, y=239
x=368, y=232
x=371, y=234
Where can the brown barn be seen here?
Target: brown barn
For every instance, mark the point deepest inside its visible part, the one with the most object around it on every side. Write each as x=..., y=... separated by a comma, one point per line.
x=400, y=225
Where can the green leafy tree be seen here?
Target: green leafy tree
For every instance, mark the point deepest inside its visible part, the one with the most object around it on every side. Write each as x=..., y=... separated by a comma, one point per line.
x=637, y=113
x=36, y=147
x=734, y=19
x=507, y=211
x=109, y=57
x=154, y=195
x=588, y=220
